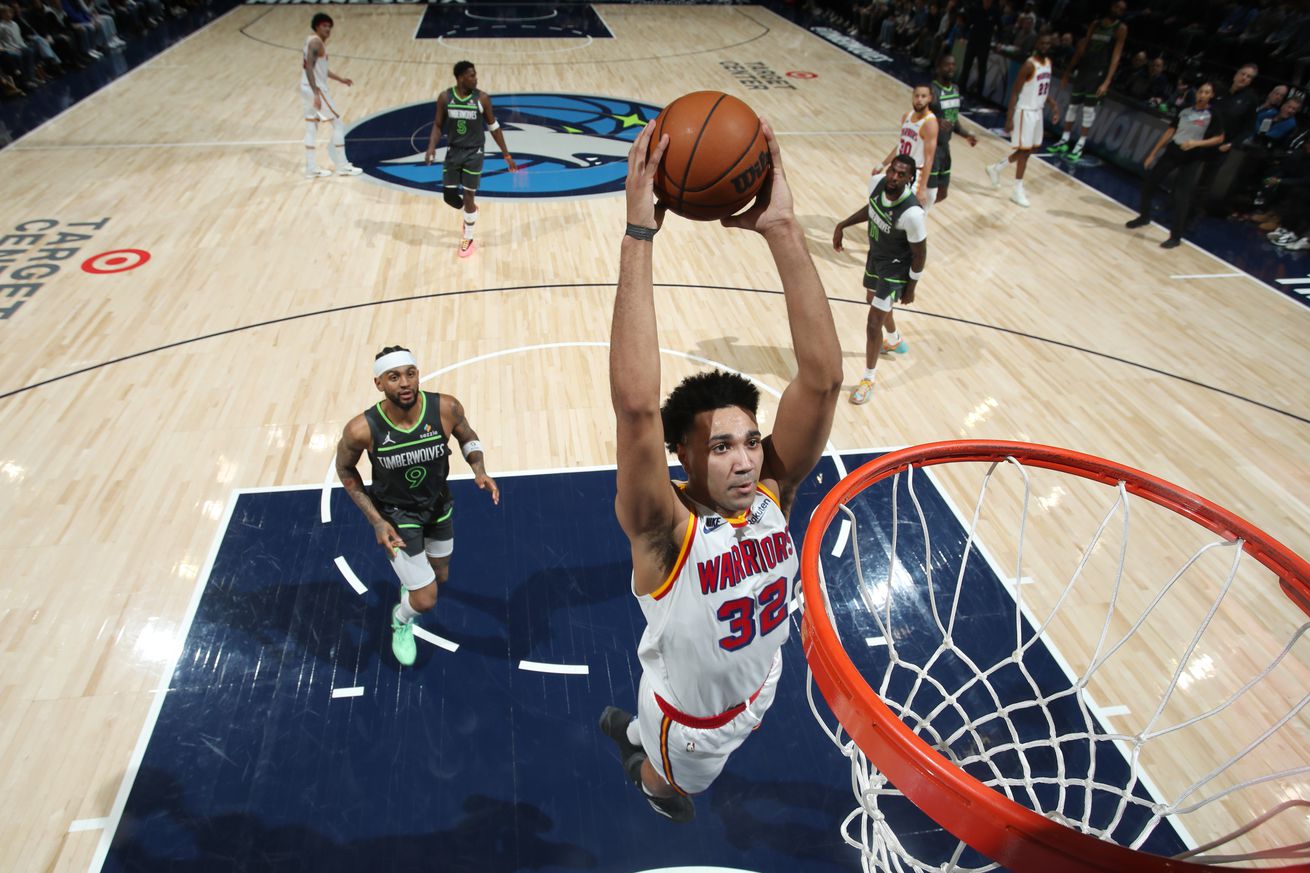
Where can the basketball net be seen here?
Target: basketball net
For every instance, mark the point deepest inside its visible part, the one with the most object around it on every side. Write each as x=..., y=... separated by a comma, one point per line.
x=975, y=718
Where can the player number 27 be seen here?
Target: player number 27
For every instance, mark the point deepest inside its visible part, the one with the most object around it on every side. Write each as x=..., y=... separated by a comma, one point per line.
x=739, y=614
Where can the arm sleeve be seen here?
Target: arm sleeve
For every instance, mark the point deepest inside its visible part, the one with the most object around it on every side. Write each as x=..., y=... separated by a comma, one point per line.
x=913, y=223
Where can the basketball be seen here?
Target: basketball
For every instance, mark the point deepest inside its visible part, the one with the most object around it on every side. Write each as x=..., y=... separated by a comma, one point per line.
x=717, y=157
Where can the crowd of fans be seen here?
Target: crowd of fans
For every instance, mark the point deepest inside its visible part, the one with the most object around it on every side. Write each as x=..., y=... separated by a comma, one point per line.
x=41, y=40
x=1205, y=41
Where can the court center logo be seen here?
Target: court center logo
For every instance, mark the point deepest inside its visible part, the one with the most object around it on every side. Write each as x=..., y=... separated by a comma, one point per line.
x=566, y=145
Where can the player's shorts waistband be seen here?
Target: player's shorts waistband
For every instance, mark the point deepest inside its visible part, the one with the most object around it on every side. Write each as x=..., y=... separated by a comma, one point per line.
x=711, y=722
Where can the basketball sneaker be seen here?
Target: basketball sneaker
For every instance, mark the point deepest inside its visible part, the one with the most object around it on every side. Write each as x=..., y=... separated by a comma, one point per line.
x=348, y=170
x=317, y=173
x=898, y=348
x=1074, y=156
x=1280, y=237
x=1298, y=245
x=995, y=175
x=1020, y=198
x=614, y=724
x=467, y=247
x=862, y=392
x=1059, y=148
x=402, y=641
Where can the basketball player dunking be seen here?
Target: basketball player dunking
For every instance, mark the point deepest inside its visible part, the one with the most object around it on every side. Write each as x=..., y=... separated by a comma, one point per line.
x=898, y=251
x=407, y=437
x=462, y=113
x=1032, y=91
x=712, y=557
x=918, y=140
x=317, y=104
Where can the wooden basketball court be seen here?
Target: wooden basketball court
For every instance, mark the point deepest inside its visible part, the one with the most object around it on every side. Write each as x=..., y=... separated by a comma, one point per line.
x=136, y=400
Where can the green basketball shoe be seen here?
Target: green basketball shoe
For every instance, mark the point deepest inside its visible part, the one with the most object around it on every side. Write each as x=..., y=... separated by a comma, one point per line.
x=402, y=642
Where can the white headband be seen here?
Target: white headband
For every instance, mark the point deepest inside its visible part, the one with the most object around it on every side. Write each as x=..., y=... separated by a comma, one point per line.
x=393, y=360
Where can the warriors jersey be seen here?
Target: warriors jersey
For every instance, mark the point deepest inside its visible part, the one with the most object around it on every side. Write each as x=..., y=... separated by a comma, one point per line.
x=320, y=66
x=464, y=122
x=714, y=626
x=410, y=465
x=912, y=138
x=1033, y=94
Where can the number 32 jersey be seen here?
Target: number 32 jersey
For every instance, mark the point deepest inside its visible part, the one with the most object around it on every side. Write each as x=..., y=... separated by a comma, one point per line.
x=715, y=624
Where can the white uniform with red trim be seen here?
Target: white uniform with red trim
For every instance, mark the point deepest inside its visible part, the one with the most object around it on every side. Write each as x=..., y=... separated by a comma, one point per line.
x=325, y=111
x=1027, y=130
x=710, y=654
x=912, y=138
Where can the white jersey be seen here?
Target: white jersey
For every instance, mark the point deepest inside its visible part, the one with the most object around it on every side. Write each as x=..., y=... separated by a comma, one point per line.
x=320, y=66
x=912, y=137
x=1034, y=91
x=715, y=624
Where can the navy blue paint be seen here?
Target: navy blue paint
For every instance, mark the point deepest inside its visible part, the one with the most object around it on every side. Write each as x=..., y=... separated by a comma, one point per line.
x=511, y=21
x=17, y=117
x=464, y=762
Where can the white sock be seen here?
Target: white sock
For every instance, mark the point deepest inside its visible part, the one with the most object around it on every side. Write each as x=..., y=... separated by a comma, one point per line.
x=1001, y=164
x=634, y=735
x=1065, y=137
x=891, y=339
x=1078, y=146
x=404, y=613
x=337, y=145
x=870, y=375
x=311, y=140
x=470, y=219
x=1018, y=186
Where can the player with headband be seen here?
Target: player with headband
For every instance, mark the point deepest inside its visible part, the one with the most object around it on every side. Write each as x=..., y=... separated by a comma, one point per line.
x=407, y=436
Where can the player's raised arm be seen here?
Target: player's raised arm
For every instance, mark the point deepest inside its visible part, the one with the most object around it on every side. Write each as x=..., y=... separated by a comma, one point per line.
x=645, y=500
x=806, y=409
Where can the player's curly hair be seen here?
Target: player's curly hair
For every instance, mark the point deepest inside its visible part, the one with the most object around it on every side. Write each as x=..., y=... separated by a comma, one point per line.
x=320, y=18
x=702, y=392
x=462, y=67
x=389, y=349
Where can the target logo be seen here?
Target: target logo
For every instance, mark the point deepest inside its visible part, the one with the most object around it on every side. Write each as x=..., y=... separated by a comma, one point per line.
x=116, y=261
x=801, y=74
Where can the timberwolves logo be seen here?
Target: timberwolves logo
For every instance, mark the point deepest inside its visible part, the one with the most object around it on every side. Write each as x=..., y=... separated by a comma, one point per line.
x=566, y=145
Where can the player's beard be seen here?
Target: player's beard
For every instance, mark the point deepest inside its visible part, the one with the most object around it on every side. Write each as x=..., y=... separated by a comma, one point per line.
x=405, y=406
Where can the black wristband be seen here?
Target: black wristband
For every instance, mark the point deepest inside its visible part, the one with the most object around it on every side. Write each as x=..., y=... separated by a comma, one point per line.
x=636, y=231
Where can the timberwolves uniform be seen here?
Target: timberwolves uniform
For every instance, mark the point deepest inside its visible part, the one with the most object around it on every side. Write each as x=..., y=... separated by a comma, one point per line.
x=1027, y=130
x=912, y=138
x=711, y=653
x=946, y=106
x=410, y=468
x=1094, y=63
x=892, y=227
x=325, y=112
x=465, y=138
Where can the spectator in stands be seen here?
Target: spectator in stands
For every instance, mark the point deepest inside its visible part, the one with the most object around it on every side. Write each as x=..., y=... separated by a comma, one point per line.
x=1235, y=23
x=1061, y=52
x=1160, y=89
x=106, y=32
x=49, y=64
x=17, y=58
x=1235, y=112
x=1183, y=96
x=982, y=18
x=1274, y=127
x=1290, y=205
x=1134, y=80
x=57, y=22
